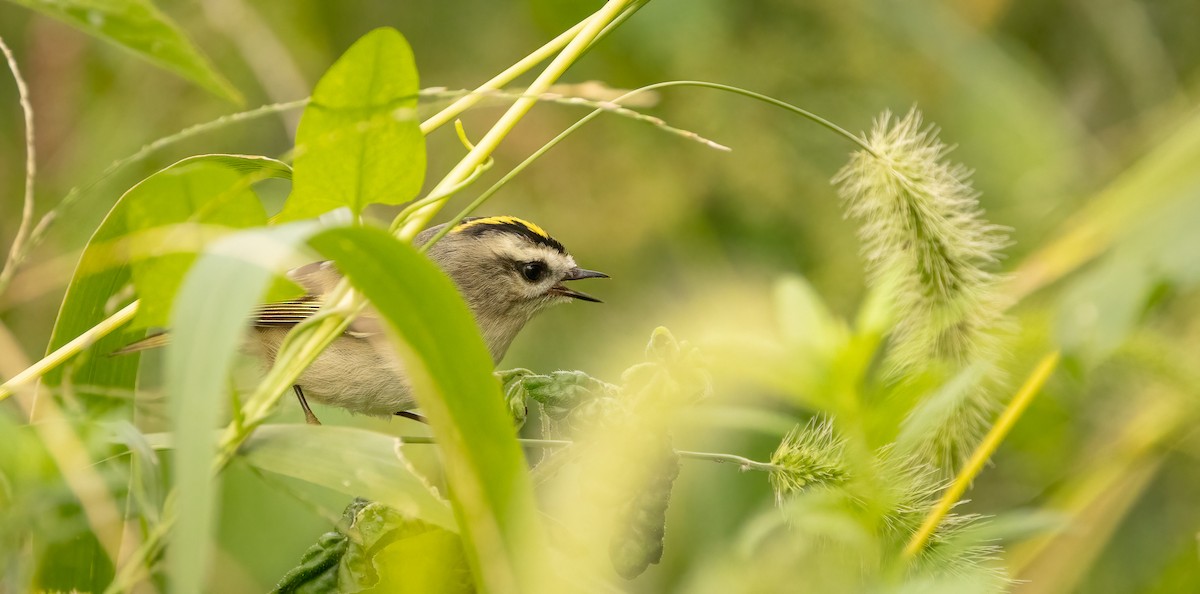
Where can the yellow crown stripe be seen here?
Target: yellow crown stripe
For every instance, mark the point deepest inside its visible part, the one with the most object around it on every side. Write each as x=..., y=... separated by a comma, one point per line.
x=503, y=220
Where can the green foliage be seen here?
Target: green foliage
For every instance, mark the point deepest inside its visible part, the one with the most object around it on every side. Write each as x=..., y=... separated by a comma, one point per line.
x=379, y=550
x=174, y=213
x=137, y=25
x=321, y=455
x=642, y=520
x=450, y=369
x=358, y=141
x=208, y=335
x=886, y=422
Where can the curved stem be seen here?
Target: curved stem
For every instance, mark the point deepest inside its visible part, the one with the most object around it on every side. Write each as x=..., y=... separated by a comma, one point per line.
x=487, y=194
x=18, y=246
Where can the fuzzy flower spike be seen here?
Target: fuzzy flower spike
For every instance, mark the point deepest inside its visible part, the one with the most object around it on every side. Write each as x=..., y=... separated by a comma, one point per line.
x=923, y=232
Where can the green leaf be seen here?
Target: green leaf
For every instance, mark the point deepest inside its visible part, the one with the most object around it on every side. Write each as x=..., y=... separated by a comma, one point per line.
x=102, y=273
x=209, y=320
x=322, y=454
x=359, y=141
x=170, y=215
x=400, y=554
x=389, y=553
x=137, y=25
x=439, y=344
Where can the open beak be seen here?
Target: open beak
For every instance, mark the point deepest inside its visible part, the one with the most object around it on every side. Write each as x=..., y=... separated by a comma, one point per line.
x=577, y=273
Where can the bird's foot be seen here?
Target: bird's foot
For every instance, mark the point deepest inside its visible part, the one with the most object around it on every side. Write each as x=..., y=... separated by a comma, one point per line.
x=309, y=417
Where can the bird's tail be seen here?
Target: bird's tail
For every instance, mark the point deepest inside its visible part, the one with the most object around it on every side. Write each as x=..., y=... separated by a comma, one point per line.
x=153, y=341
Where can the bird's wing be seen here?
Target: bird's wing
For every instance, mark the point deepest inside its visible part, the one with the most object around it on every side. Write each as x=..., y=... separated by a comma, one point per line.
x=317, y=279
x=285, y=313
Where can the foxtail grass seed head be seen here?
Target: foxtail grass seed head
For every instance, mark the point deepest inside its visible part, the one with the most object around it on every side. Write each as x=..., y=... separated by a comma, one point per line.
x=808, y=456
x=921, y=226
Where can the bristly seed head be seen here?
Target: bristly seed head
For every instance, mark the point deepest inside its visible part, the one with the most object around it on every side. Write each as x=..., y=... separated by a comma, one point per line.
x=922, y=228
x=808, y=456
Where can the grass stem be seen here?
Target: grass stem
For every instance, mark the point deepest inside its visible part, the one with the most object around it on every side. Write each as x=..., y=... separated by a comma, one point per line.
x=1033, y=384
x=66, y=351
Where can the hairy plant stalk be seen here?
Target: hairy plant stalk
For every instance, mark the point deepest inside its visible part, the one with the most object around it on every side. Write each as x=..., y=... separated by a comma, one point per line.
x=979, y=458
x=23, y=229
x=922, y=229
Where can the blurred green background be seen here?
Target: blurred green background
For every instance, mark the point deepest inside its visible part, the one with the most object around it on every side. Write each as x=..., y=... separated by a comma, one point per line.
x=1049, y=102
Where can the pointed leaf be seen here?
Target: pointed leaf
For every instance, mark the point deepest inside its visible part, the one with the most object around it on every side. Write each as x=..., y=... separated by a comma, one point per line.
x=353, y=461
x=137, y=25
x=209, y=320
x=359, y=141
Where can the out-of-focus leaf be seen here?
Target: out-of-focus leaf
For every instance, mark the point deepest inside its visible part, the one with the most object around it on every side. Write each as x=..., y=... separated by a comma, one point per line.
x=400, y=554
x=352, y=461
x=137, y=25
x=803, y=318
x=209, y=319
x=389, y=553
x=448, y=364
x=638, y=540
x=95, y=292
x=1153, y=185
x=1099, y=310
x=359, y=141
x=171, y=215
x=933, y=413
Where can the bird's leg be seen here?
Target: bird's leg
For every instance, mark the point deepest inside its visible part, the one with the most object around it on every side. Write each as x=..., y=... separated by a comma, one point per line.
x=309, y=417
x=412, y=415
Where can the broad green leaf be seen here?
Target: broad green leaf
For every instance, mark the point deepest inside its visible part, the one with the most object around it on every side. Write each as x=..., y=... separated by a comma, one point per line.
x=359, y=141
x=137, y=25
x=439, y=344
x=353, y=461
x=208, y=321
x=102, y=274
x=173, y=213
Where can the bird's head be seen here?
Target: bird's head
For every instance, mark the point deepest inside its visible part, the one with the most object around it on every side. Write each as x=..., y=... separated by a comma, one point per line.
x=507, y=269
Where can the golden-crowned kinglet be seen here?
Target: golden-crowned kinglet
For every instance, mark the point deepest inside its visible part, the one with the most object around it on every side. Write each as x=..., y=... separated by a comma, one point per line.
x=507, y=269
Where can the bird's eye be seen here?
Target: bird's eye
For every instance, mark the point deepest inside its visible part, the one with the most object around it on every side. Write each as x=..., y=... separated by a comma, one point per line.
x=533, y=271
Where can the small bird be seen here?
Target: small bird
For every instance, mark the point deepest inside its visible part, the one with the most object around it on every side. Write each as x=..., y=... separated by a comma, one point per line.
x=507, y=269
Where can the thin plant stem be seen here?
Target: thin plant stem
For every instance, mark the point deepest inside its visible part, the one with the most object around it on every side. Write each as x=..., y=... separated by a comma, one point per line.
x=23, y=230
x=497, y=82
x=490, y=141
x=1033, y=384
x=512, y=173
x=66, y=351
x=741, y=461
x=74, y=194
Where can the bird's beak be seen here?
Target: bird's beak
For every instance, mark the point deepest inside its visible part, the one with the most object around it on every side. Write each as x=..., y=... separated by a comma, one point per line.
x=577, y=273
